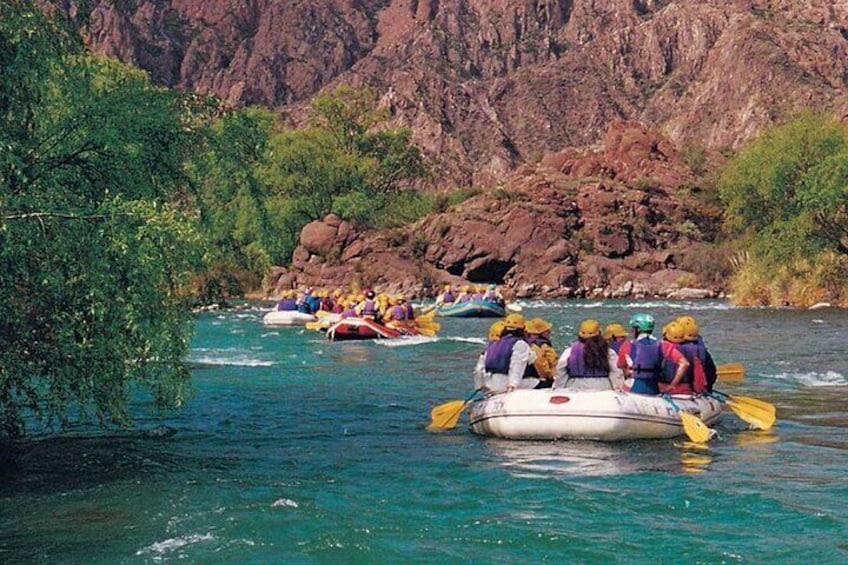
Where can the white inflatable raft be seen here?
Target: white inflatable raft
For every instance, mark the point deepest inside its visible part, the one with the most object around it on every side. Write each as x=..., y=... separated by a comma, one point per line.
x=598, y=415
x=287, y=318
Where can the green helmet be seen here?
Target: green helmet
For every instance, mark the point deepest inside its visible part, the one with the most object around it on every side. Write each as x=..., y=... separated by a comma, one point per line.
x=642, y=322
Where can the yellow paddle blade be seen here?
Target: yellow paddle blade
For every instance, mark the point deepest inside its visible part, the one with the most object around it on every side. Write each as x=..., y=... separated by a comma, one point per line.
x=428, y=328
x=319, y=325
x=759, y=414
x=321, y=314
x=426, y=316
x=731, y=372
x=445, y=416
x=695, y=428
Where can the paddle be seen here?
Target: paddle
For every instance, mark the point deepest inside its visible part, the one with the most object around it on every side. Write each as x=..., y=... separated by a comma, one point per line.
x=731, y=372
x=694, y=427
x=514, y=307
x=759, y=413
x=445, y=416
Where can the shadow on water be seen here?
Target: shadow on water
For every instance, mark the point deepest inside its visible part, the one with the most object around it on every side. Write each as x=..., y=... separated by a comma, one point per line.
x=57, y=464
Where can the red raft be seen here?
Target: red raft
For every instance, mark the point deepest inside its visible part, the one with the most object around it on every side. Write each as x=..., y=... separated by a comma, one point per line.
x=362, y=328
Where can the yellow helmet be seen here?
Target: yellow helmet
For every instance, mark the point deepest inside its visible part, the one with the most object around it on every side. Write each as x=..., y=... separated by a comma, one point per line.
x=690, y=327
x=537, y=326
x=674, y=332
x=495, y=330
x=589, y=328
x=514, y=322
x=614, y=330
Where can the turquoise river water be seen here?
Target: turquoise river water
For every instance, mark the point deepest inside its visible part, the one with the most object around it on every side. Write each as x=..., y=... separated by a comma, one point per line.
x=297, y=450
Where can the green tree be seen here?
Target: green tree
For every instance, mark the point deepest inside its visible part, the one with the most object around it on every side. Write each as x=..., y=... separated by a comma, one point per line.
x=96, y=244
x=786, y=197
x=786, y=192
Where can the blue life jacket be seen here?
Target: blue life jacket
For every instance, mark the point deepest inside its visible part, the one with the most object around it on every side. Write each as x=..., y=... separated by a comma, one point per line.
x=499, y=354
x=646, y=355
x=577, y=368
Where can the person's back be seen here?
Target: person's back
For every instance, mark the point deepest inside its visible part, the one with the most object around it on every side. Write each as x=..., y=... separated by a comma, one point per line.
x=507, y=358
x=589, y=364
x=645, y=356
x=544, y=367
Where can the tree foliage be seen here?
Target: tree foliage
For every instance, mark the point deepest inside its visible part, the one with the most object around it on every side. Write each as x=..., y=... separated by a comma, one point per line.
x=95, y=245
x=787, y=191
x=787, y=198
x=261, y=181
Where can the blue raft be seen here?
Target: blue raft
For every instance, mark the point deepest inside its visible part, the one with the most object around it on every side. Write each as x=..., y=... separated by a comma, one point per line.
x=472, y=309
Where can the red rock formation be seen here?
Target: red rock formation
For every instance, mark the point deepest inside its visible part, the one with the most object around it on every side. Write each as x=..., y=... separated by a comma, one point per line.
x=577, y=225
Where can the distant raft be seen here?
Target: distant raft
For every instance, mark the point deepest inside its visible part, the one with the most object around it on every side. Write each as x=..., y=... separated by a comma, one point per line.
x=287, y=318
x=548, y=414
x=349, y=329
x=472, y=309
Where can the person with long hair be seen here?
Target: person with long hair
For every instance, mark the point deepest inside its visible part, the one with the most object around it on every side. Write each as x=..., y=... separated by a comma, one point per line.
x=588, y=363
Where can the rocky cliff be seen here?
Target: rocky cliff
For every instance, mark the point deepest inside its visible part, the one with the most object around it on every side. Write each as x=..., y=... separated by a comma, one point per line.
x=487, y=85
x=577, y=110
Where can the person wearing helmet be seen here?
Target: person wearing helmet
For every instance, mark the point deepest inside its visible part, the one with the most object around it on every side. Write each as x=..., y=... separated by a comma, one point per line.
x=645, y=356
x=588, y=363
x=506, y=360
x=616, y=335
x=673, y=335
x=369, y=308
x=480, y=369
x=446, y=296
x=539, y=337
x=287, y=302
x=697, y=353
x=493, y=295
x=466, y=295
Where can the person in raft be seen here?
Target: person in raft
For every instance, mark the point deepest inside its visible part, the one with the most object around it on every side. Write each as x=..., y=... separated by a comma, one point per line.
x=616, y=336
x=694, y=379
x=643, y=359
x=589, y=363
x=501, y=367
x=288, y=302
x=446, y=296
x=693, y=347
x=544, y=367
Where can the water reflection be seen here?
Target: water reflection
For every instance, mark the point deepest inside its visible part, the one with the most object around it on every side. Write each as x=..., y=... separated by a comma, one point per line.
x=565, y=459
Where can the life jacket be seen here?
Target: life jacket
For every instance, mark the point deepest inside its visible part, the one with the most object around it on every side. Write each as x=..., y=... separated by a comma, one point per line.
x=669, y=368
x=287, y=304
x=647, y=358
x=577, y=368
x=499, y=354
x=539, y=341
x=490, y=297
x=396, y=312
x=464, y=297
x=409, y=310
x=369, y=308
x=615, y=344
x=447, y=297
x=304, y=307
x=325, y=304
x=699, y=360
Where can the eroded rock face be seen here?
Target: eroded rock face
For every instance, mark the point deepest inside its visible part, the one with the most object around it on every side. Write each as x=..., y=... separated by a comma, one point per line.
x=550, y=232
x=489, y=85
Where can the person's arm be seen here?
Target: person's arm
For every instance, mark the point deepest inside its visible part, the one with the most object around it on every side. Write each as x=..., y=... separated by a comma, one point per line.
x=479, y=373
x=521, y=356
x=678, y=358
x=561, y=371
x=616, y=375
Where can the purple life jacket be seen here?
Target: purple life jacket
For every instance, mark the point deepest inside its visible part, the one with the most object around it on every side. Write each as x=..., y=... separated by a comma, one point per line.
x=448, y=297
x=577, y=368
x=499, y=354
x=287, y=305
x=397, y=312
x=370, y=308
x=646, y=354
